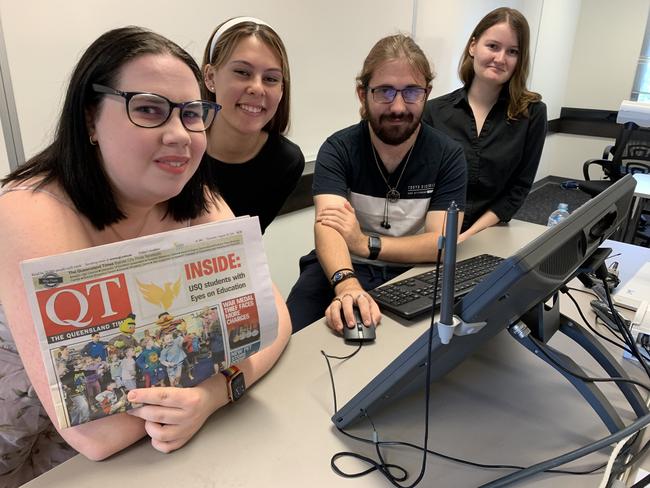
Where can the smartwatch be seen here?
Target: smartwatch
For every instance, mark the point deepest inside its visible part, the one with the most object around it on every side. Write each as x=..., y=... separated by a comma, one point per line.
x=235, y=383
x=374, y=245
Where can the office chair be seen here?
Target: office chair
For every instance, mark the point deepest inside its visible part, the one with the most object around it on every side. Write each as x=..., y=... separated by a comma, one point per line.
x=629, y=154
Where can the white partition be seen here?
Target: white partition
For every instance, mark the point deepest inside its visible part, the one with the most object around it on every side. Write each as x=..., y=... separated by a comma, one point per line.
x=4, y=160
x=326, y=42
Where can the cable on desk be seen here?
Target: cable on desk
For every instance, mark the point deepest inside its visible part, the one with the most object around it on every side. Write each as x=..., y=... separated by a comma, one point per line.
x=592, y=329
x=588, y=292
x=631, y=342
x=635, y=426
x=381, y=466
x=393, y=472
x=588, y=379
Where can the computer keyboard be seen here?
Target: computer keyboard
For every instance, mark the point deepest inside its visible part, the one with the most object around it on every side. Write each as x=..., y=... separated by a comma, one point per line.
x=413, y=296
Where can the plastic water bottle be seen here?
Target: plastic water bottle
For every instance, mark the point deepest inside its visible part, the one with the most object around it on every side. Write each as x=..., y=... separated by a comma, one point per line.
x=558, y=215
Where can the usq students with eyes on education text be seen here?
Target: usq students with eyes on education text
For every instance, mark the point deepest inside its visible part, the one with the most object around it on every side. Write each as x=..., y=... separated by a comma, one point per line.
x=112, y=173
x=246, y=71
x=499, y=122
x=381, y=189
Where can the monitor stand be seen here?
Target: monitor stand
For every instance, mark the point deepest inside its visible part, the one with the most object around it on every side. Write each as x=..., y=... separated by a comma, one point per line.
x=542, y=322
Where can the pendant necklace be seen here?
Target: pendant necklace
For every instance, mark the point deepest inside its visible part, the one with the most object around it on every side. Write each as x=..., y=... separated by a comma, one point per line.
x=138, y=233
x=392, y=195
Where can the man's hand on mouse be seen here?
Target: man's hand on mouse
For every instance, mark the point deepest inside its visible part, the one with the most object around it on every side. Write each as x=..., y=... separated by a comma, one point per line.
x=348, y=295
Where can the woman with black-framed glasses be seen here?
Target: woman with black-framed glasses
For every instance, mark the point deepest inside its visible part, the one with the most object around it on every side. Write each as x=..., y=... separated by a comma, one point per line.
x=125, y=162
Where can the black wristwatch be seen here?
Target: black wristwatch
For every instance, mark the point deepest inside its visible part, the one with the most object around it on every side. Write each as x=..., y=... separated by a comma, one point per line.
x=235, y=383
x=374, y=245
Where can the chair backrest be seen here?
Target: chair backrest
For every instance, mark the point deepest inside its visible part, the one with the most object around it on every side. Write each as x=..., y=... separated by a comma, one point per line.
x=632, y=167
x=632, y=146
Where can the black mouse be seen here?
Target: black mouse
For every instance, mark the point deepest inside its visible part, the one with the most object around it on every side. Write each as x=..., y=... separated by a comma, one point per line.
x=359, y=333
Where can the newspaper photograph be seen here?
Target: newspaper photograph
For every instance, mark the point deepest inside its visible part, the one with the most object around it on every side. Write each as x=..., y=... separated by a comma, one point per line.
x=169, y=309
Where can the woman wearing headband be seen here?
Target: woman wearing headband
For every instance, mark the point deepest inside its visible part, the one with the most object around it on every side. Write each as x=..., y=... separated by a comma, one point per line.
x=246, y=71
x=500, y=124
x=125, y=162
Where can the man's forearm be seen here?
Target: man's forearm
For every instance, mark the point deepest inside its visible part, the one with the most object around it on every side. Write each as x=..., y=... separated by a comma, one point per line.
x=331, y=249
x=420, y=248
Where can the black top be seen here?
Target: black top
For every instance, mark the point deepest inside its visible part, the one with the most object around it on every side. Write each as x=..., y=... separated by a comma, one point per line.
x=262, y=185
x=501, y=161
x=431, y=178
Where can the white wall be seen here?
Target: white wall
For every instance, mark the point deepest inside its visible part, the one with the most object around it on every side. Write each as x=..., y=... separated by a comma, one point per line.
x=443, y=27
x=289, y=237
x=606, y=52
x=326, y=43
x=598, y=72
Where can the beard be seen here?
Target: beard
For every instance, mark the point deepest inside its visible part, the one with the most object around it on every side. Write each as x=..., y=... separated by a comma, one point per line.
x=393, y=135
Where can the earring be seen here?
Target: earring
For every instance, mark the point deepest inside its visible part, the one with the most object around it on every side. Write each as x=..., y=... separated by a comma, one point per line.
x=93, y=142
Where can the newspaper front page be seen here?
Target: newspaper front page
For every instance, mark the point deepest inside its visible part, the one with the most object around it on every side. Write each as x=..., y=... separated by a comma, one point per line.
x=170, y=309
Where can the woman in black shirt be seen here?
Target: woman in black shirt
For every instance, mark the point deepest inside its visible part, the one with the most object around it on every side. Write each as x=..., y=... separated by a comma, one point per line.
x=500, y=124
x=246, y=71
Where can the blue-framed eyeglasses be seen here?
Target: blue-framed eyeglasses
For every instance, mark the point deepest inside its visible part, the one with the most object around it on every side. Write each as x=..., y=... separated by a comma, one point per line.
x=387, y=94
x=150, y=110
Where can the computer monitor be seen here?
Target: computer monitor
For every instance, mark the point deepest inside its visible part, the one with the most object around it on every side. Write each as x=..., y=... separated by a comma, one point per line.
x=521, y=282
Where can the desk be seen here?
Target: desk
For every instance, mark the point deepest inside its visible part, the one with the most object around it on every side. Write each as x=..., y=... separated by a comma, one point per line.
x=641, y=196
x=502, y=405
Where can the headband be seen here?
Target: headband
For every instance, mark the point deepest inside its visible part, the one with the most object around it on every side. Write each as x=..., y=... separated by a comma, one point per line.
x=227, y=25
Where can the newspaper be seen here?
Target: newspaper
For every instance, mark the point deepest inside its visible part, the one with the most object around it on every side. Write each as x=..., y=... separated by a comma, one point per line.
x=170, y=309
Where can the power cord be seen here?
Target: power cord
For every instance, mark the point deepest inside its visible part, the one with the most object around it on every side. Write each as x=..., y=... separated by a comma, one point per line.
x=381, y=466
x=620, y=345
x=627, y=335
x=543, y=349
x=395, y=473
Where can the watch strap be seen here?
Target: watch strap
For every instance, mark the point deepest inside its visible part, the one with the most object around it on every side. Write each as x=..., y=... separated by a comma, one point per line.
x=340, y=276
x=230, y=374
x=374, y=246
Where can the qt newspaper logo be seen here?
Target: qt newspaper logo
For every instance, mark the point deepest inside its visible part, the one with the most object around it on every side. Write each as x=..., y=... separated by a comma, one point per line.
x=86, y=304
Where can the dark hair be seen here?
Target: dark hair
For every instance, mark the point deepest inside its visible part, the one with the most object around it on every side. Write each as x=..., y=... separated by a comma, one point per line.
x=75, y=164
x=519, y=96
x=389, y=48
x=224, y=48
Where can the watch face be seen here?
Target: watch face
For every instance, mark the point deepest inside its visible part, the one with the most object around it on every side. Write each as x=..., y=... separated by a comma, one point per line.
x=238, y=387
x=375, y=243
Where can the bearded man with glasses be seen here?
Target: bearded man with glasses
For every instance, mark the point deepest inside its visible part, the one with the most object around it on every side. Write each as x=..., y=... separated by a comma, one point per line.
x=381, y=189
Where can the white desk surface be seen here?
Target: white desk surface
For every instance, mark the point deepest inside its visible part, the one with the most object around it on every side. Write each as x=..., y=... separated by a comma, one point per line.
x=502, y=405
x=642, y=185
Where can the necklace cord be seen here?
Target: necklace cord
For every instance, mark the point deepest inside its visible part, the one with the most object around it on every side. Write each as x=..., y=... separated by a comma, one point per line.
x=392, y=195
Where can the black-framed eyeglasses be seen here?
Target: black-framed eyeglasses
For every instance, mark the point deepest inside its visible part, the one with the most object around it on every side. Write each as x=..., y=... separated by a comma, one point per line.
x=150, y=110
x=387, y=94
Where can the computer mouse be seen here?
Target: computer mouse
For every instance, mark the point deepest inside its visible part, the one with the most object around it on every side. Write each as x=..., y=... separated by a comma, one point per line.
x=359, y=333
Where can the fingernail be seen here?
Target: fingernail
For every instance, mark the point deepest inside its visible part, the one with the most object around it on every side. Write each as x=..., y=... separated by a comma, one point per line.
x=131, y=396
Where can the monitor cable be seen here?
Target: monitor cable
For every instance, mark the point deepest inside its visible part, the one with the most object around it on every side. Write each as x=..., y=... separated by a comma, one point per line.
x=631, y=429
x=621, y=345
x=625, y=331
x=386, y=468
x=392, y=472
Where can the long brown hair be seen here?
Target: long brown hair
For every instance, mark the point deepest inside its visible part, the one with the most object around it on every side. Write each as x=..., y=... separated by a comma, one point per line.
x=389, y=48
x=224, y=48
x=519, y=97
